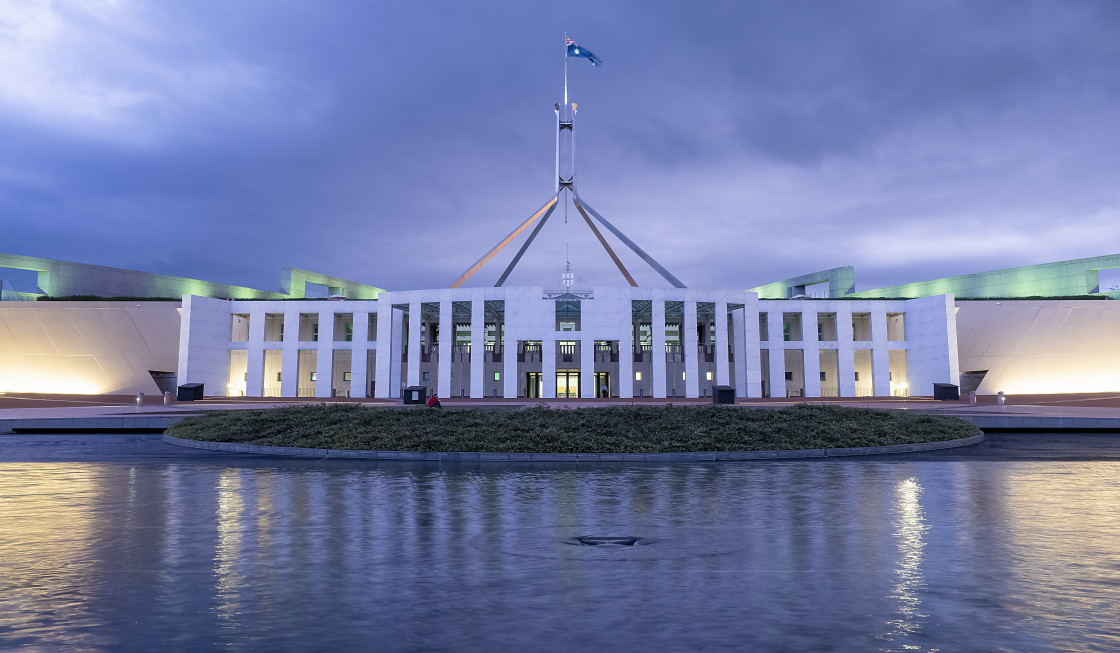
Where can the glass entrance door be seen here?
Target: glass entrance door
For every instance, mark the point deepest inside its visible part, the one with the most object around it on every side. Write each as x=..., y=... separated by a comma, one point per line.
x=567, y=384
x=533, y=385
x=603, y=385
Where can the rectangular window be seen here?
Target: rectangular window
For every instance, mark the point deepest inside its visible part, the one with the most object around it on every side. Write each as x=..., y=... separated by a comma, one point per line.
x=341, y=360
x=314, y=376
x=637, y=376
x=789, y=376
x=238, y=364
x=861, y=327
x=273, y=327
x=568, y=313
x=829, y=360
x=900, y=386
x=425, y=376
x=308, y=327
x=864, y=360
x=306, y=365
x=278, y=376
x=791, y=327
x=345, y=324
x=826, y=327
x=239, y=327
x=708, y=376
x=497, y=376
x=896, y=327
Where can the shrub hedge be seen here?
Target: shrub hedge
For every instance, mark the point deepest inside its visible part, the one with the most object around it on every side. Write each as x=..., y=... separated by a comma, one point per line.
x=615, y=429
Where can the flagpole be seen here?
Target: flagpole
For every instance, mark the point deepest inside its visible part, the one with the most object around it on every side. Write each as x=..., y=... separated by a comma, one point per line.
x=565, y=70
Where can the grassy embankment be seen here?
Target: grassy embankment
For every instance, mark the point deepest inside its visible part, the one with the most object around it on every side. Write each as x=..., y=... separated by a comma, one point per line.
x=625, y=429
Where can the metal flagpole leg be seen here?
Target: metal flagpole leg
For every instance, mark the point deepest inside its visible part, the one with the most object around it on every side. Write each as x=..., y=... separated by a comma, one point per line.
x=603, y=242
x=529, y=241
x=637, y=250
x=513, y=234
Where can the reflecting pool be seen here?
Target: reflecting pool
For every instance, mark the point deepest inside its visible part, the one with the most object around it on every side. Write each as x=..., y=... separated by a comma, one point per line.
x=120, y=542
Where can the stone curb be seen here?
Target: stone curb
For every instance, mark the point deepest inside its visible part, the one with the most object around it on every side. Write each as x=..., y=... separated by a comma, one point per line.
x=103, y=422
x=477, y=456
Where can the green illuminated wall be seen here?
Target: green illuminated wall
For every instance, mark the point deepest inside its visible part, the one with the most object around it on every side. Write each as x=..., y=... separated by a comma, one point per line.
x=841, y=282
x=1061, y=279
x=63, y=278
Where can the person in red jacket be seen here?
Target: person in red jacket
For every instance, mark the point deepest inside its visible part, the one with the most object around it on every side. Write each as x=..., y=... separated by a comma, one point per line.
x=433, y=401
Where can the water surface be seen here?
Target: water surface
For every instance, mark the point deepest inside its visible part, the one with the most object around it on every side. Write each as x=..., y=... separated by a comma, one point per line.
x=120, y=542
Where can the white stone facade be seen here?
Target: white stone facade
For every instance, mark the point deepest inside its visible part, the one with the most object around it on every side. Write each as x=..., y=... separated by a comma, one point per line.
x=530, y=342
x=1039, y=346
x=88, y=347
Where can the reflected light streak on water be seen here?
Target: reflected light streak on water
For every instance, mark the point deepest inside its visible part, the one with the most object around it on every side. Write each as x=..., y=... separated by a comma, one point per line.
x=228, y=575
x=794, y=555
x=909, y=527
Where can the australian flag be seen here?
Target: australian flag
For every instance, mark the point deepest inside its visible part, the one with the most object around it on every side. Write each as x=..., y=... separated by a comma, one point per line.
x=575, y=50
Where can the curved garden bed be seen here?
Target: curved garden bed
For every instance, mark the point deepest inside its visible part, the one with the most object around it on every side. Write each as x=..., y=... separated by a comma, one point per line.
x=606, y=430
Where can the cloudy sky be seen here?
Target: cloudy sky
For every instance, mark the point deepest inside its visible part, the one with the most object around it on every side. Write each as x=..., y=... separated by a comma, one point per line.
x=394, y=142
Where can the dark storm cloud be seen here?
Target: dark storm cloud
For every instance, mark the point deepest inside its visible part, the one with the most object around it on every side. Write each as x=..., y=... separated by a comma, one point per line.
x=395, y=142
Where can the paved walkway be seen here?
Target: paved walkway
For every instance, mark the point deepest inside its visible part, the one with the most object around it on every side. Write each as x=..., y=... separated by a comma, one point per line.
x=1098, y=411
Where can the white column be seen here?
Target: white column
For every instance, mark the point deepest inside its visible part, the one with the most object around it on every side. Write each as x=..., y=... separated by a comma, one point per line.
x=777, y=352
x=691, y=355
x=381, y=369
x=810, y=351
x=880, y=359
x=845, y=353
x=626, y=359
x=254, y=366
x=657, y=326
x=254, y=372
x=881, y=371
x=256, y=327
x=359, y=386
x=324, y=359
x=509, y=364
x=587, y=387
x=397, y=359
x=446, y=347
x=846, y=370
x=723, y=365
x=739, y=344
x=548, y=365
x=388, y=368
x=415, y=320
x=812, y=357
x=289, y=362
x=478, y=343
